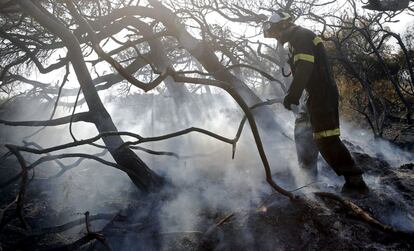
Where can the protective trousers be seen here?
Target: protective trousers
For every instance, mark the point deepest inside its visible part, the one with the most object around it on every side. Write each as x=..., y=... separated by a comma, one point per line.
x=337, y=156
x=331, y=148
x=306, y=148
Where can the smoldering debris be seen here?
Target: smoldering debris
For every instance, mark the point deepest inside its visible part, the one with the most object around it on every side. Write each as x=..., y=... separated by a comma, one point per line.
x=207, y=186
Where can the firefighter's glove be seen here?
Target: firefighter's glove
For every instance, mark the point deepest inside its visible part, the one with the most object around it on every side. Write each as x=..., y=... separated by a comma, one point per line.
x=288, y=101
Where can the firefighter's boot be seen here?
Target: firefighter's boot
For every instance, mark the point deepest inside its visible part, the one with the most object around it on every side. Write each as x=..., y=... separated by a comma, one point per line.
x=355, y=185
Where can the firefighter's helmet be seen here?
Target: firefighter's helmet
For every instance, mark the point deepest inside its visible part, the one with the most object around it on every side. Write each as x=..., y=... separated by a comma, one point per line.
x=274, y=21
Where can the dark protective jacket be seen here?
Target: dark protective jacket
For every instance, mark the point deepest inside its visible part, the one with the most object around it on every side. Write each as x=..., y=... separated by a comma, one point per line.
x=311, y=71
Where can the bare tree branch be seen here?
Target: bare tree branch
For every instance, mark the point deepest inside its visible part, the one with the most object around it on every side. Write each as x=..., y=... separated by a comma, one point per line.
x=79, y=117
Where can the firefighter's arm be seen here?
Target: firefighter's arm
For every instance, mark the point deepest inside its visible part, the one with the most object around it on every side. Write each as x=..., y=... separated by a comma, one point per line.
x=303, y=72
x=303, y=60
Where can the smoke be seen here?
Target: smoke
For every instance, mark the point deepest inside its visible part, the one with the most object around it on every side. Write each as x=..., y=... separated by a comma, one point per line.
x=375, y=146
x=90, y=186
x=207, y=180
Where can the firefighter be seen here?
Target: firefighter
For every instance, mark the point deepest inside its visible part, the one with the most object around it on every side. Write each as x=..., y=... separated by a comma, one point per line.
x=317, y=124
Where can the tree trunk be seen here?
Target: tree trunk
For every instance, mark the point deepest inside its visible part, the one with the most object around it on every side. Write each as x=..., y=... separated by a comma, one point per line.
x=143, y=177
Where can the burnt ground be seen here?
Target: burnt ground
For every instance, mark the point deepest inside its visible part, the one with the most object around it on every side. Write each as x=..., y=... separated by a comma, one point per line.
x=323, y=224
x=315, y=224
x=310, y=223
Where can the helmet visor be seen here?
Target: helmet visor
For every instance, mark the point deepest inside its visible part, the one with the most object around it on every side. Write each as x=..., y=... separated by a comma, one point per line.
x=267, y=26
x=270, y=29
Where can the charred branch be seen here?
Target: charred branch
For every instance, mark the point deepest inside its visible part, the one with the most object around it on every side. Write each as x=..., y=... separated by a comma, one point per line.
x=387, y=5
x=79, y=117
x=362, y=214
x=250, y=119
x=95, y=43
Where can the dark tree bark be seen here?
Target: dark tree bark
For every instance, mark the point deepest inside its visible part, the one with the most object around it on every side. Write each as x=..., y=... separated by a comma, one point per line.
x=143, y=177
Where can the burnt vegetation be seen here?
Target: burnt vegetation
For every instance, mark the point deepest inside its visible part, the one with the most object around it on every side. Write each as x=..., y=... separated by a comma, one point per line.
x=89, y=75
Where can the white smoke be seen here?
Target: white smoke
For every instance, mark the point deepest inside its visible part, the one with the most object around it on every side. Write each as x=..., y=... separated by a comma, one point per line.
x=206, y=178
